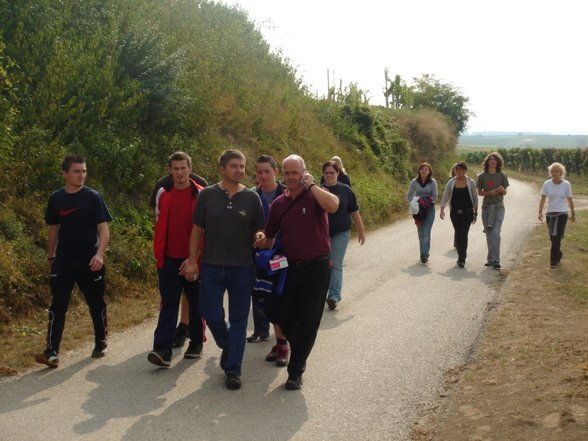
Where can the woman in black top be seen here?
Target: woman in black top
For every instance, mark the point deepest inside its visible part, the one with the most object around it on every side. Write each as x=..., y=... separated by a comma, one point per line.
x=340, y=228
x=460, y=192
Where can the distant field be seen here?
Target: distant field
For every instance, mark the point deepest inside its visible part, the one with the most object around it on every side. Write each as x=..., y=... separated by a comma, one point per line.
x=524, y=140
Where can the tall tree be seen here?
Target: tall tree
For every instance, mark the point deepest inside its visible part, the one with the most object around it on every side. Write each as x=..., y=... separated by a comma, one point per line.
x=399, y=93
x=430, y=93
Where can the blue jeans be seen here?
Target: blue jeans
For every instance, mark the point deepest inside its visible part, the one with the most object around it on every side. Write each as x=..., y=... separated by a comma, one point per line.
x=238, y=282
x=339, y=242
x=424, y=230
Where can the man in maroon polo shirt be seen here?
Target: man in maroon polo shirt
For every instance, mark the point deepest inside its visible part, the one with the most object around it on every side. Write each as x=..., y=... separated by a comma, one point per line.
x=304, y=231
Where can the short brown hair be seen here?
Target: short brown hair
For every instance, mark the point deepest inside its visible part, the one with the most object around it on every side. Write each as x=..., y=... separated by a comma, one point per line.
x=267, y=159
x=179, y=156
x=229, y=154
x=71, y=159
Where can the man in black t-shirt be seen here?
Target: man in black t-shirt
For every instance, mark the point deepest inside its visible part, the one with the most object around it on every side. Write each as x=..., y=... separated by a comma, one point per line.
x=78, y=236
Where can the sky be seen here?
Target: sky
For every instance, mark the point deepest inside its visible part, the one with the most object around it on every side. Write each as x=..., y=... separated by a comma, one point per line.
x=521, y=63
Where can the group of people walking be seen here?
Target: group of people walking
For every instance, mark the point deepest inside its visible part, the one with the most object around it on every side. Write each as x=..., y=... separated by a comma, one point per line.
x=204, y=241
x=462, y=192
x=205, y=237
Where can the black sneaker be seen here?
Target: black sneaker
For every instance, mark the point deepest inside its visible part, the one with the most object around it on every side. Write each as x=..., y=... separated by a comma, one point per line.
x=232, y=381
x=460, y=263
x=294, y=382
x=424, y=258
x=181, y=335
x=332, y=304
x=496, y=266
x=489, y=263
x=224, y=358
x=160, y=358
x=254, y=338
x=99, y=349
x=194, y=350
x=49, y=358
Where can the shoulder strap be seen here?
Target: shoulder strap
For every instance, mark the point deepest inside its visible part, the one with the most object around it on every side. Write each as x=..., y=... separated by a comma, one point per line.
x=300, y=196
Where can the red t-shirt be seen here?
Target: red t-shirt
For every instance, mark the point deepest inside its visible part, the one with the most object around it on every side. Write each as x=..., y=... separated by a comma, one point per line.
x=179, y=224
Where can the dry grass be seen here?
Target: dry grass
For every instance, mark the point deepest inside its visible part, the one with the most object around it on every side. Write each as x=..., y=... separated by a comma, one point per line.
x=529, y=380
x=19, y=342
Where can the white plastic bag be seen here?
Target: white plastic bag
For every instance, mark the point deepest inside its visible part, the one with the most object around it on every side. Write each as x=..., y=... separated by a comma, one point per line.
x=413, y=206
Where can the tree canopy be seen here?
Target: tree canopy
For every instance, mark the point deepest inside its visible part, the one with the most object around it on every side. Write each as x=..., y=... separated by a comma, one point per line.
x=427, y=92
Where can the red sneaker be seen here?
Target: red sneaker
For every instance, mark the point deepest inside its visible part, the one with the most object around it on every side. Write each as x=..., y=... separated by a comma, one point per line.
x=273, y=354
x=283, y=354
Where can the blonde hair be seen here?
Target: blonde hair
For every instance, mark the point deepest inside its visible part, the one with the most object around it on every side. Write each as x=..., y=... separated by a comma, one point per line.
x=337, y=160
x=558, y=166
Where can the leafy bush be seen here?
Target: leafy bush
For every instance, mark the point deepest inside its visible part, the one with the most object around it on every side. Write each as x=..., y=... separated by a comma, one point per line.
x=126, y=83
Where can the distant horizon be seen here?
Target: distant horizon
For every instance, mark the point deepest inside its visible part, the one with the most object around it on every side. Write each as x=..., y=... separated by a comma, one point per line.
x=521, y=133
x=509, y=139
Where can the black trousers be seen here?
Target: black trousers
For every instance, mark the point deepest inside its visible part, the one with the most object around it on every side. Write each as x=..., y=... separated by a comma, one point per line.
x=556, y=225
x=461, y=220
x=171, y=285
x=63, y=276
x=301, y=307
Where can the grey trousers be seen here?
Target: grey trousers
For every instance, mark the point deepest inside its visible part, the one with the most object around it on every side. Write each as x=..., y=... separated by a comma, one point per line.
x=493, y=232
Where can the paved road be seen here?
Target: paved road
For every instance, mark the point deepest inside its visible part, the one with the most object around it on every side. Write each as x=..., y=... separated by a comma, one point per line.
x=378, y=358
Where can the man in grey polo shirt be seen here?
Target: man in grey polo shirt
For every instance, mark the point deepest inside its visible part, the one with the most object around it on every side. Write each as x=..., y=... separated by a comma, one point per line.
x=230, y=216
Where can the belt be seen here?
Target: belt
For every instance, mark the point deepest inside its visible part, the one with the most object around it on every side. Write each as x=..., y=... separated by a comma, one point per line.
x=461, y=210
x=306, y=263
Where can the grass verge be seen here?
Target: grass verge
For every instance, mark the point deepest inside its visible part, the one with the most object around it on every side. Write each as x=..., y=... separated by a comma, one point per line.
x=529, y=379
x=19, y=342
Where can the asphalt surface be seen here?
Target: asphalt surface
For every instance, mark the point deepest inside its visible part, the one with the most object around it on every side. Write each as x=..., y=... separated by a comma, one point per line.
x=379, y=358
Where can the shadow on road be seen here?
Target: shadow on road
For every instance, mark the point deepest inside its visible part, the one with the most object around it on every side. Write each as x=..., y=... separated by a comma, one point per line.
x=417, y=269
x=214, y=413
x=132, y=388
x=333, y=319
x=34, y=382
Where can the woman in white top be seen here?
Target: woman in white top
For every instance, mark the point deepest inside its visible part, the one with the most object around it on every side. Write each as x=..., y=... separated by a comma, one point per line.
x=558, y=192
